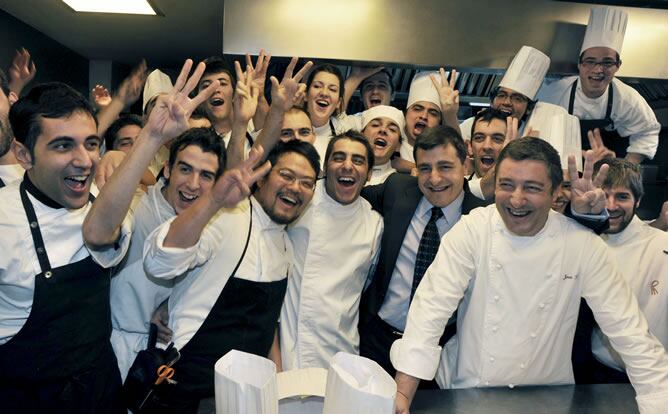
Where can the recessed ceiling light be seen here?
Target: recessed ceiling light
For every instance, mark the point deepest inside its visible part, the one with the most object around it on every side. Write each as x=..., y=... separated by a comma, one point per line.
x=115, y=6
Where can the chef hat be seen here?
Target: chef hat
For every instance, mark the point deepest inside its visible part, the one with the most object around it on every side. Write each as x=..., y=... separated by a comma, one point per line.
x=385, y=111
x=562, y=130
x=423, y=89
x=606, y=28
x=156, y=83
x=245, y=383
x=526, y=72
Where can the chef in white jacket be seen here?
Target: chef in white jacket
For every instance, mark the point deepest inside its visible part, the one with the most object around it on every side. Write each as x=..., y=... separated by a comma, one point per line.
x=602, y=101
x=382, y=125
x=640, y=253
x=520, y=270
x=336, y=244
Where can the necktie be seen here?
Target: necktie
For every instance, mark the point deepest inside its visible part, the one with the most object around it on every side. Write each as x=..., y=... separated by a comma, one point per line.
x=427, y=249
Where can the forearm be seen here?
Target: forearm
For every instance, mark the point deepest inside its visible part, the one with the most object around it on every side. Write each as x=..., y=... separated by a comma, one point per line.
x=260, y=113
x=102, y=224
x=236, y=146
x=108, y=115
x=271, y=132
x=450, y=119
x=350, y=86
x=406, y=386
x=186, y=229
x=635, y=158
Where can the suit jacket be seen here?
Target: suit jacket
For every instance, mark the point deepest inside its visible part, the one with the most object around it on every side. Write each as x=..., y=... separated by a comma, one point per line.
x=396, y=200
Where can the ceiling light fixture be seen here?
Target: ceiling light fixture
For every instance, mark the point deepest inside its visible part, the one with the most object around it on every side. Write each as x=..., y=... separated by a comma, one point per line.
x=115, y=6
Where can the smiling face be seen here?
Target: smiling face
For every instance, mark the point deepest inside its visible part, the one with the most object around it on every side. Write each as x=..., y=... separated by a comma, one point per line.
x=523, y=195
x=297, y=125
x=487, y=141
x=64, y=158
x=621, y=205
x=192, y=175
x=440, y=174
x=347, y=171
x=125, y=138
x=384, y=136
x=419, y=116
x=376, y=90
x=288, y=188
x=510, y=102
x=564, y=195
x=219, y=106
x=323, y=97
x=594, y=76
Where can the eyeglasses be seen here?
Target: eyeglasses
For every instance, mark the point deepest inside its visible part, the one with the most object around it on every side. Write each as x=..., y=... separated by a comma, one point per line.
x=605, y=64
x=289, y=177
x=515, y=98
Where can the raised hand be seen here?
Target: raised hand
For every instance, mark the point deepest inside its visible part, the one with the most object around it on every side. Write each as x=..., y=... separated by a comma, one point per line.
x=107, y=165
x=599, y=149
x=101, y=96
x=169, y=117
x=259, y=71
x=447, y=93
x=362, y=73
x=587, y=197
x=512, y=130
x=235, y=184
x=21, y=71
x=131, y=87
x=245, y=95
x=289, y=91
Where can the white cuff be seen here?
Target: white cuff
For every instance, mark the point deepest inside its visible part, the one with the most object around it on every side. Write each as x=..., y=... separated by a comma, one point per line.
x=166, y=262
x=415, y=358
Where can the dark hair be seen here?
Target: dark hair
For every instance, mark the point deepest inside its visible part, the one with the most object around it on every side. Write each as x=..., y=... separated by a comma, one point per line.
x=440, y=136
x=617, y=59
x=111, y=133
x=329, y=69
x=298, y=109
x=355, y=137
x=48, y=100
x=4, y=84
x=622, y=173
x=199, y=113
x=389, y=80
x=217, y=64
x=206, y=139
x=487, y=115
x=530, y=103
x=533, y=149
x=302, y=148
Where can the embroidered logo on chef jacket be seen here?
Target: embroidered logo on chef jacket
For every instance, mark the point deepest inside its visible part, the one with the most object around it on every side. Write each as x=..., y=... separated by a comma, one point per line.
x=653, y=287
x=570, y=277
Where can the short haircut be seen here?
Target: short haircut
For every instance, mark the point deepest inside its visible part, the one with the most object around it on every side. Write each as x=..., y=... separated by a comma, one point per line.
x=534, y=149
x=440, y=136
x=296, y=146
x=206, y=139
x=487, y=115
x=622, y=173
x=298, y=109
x=329, y=69
x=355, y=137
x=4, y=84
x=530, y=103
x=48, y=100
x=111, y=134
x=389, y=80
x=217, y=64
x=617, y=59
x=199, y=113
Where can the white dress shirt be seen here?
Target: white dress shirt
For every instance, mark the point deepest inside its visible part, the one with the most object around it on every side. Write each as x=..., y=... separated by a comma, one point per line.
x=335, y=249
x=521, y=296
x=641, y=253
x=134, y=294
x=204, y=269
x=11, y=172
x=379, y=173
x=397, y=300
x=63, y=242
x=631, y=114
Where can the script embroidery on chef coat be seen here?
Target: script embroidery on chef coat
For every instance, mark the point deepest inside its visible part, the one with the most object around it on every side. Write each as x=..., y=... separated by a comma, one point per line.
x=570, y=277
x=652, y=287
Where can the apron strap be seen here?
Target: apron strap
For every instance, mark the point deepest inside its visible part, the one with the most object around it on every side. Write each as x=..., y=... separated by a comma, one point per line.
x=250, y=227
x=2, y=183
x=571, y=99
x=37, y=239
x=608, y=110
x=249, y=138
x=331, y=127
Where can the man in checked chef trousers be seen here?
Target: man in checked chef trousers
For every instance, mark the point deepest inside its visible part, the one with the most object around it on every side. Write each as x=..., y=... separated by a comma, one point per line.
x=520, y=269
x=602, y=101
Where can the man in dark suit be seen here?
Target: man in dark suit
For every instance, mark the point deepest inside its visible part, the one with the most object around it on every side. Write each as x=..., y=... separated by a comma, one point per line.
x=417, y=211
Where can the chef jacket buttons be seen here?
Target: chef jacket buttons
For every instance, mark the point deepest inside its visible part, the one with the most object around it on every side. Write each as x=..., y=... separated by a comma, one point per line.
x=495, y=328
x=33, y=224
x=511, y=386
x=522, y=365
x=487, y=383
x=48, y=274
x=496, y=298
x=541, y=305
x=533, y=335
x=498, y=266
x=491, y=359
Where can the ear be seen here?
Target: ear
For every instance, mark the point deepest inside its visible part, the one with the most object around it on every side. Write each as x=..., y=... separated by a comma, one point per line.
x=22, y=154
x=469, y=148
x=165, y=170
x=12, y=97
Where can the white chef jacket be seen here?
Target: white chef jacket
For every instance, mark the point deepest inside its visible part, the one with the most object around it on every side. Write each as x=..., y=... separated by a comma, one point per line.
x=335, y=249
x=475, y=186
x=406, y=151
x=631, y=114
x=11, y=172
x=134, y=294
x=379, y=173
x=640, y=253
x=64, y=244
x=521, y=297
x=206, y=267
x=324, y=134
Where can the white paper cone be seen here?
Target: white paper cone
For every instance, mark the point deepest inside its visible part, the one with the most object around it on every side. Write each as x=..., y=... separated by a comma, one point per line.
x=357, y=385
x=245, y=383
x=560, y=129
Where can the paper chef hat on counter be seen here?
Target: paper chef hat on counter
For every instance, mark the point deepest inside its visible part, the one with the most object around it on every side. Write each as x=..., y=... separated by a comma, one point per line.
x=245, y=383
x=423, y=89
x=383, y=111
x=606, y=28
x=562, y=130
x=156, y=83
x=526, y=72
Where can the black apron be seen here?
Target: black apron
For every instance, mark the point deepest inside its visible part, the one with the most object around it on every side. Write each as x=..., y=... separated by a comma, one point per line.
x=61, y=360
x=2, y=183
x=611, y=139
x=244, y=317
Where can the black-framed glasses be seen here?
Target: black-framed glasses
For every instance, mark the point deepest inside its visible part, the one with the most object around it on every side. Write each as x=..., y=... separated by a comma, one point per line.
x=290, y=177
x=516, y=98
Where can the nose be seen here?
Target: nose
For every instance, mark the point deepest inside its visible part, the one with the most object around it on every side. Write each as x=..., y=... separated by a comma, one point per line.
x=517, y=198
x=487, y=143
x=82, y=158
x=434, y=176
x=610, y=203
x=193, y=182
